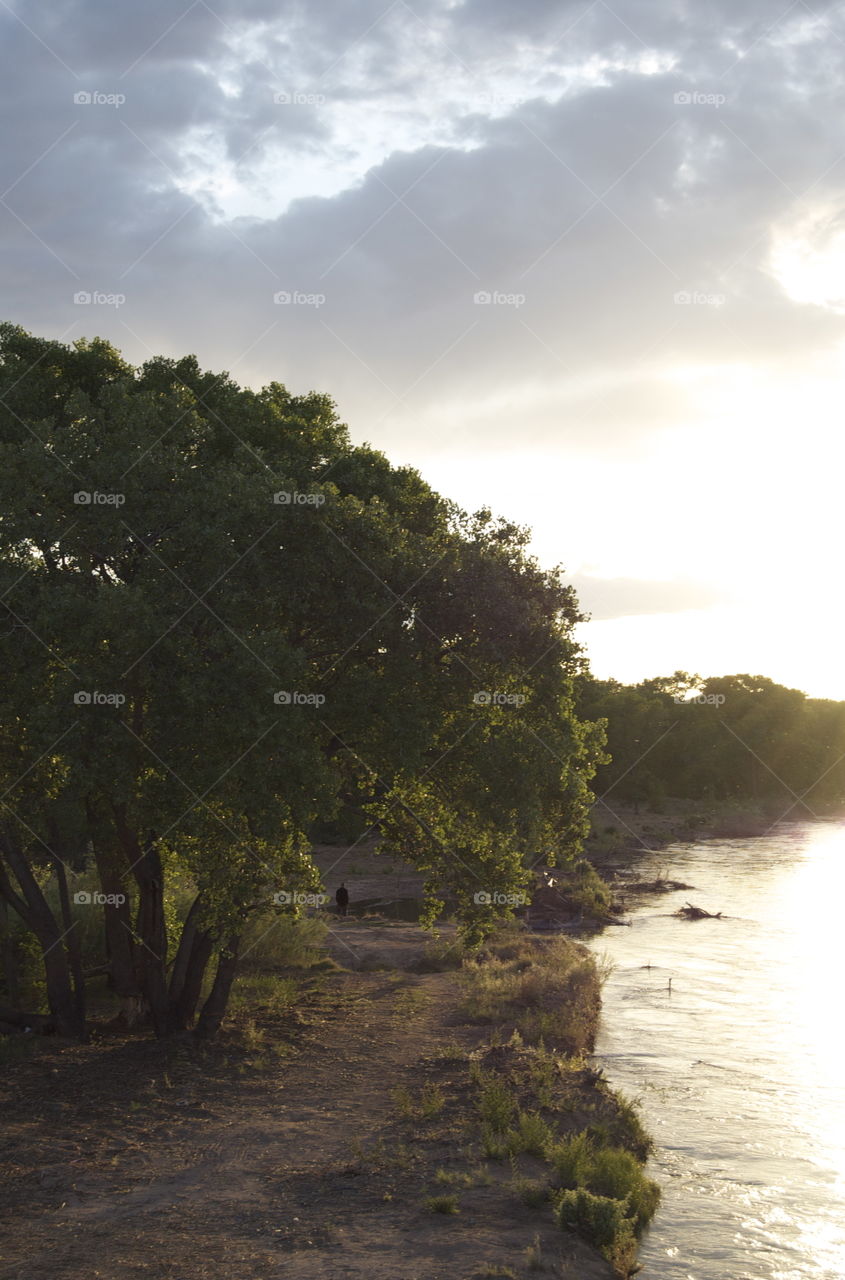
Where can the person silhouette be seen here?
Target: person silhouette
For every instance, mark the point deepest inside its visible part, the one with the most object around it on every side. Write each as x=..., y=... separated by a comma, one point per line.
x=341, y=897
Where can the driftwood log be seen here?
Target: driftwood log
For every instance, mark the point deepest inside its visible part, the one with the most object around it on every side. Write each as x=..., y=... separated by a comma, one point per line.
x=689, y=912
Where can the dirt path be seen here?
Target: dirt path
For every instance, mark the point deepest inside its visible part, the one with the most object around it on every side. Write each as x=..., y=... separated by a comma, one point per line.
x=141, y=1166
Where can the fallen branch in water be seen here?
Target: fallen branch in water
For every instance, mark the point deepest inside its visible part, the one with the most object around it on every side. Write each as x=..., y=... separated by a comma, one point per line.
x=656, y=886
x=689, y=912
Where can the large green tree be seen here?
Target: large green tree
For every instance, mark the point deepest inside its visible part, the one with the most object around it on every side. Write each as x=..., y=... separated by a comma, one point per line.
x=222, y=621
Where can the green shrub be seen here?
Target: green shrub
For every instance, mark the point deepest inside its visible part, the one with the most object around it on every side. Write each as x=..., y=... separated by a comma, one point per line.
x=496, y=1104
x=494, y=1144
x=618, y=1174
x=443, y=1204
x=572, y=1159
x=600, y=1220
x=535, y=1136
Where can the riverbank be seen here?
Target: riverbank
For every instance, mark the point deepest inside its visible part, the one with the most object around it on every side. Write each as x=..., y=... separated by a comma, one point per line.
x=621, y=833
x=374, y=1120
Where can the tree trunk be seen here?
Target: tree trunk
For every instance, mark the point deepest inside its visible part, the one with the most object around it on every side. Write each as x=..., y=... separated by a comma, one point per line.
x=8, y=956
x=117, y=916
x=195, y=948
x=35, y=911
x=215, y=1006
x=71, y=938
x=150, y=932
x=183, y=952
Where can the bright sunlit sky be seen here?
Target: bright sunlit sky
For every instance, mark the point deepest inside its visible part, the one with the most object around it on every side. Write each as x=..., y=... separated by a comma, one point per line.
x=651, y=196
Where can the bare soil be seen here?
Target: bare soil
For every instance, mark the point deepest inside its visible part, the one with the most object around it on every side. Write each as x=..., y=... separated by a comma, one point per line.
x=278, y=1151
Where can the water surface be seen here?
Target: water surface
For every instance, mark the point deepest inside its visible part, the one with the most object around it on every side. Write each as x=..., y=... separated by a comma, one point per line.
x=740, y=1067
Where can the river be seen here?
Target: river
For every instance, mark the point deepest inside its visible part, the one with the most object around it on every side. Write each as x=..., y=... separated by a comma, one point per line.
x=740, y=1066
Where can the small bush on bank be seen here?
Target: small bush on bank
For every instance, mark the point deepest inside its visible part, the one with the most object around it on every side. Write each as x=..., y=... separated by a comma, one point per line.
x=619, y=1175
x=605, y=1195
x=601, y=1220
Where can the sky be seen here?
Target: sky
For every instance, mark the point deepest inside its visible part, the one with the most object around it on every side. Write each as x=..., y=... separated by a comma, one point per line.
x=582, y=263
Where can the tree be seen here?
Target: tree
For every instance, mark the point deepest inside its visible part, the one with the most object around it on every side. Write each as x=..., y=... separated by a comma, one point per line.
x=225, y=621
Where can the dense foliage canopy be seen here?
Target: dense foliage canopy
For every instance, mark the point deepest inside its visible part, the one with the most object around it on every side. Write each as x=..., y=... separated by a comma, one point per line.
x=222, y=622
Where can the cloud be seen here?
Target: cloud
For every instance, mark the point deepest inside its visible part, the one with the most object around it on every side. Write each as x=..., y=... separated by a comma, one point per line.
x=604, y=598
x=534, y=154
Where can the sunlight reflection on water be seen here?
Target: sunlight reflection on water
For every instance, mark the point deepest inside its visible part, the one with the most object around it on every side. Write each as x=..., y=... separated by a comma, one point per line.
x=739, y=1067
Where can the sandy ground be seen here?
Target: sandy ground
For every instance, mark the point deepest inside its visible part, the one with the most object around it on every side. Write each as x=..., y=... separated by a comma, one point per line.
x=129, y=1159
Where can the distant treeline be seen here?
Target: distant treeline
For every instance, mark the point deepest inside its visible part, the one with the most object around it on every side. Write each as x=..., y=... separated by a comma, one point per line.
x=738, y=737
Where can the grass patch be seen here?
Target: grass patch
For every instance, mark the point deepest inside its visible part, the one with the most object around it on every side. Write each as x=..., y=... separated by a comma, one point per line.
x=534, y=1256
x=496, y=1104
x=410, y=1001
x=274, y=941
x=264, y=993
x=443, y=1204
x=548, y=991
x=439, y=957
x=431, y=1102
x=534, y=1192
